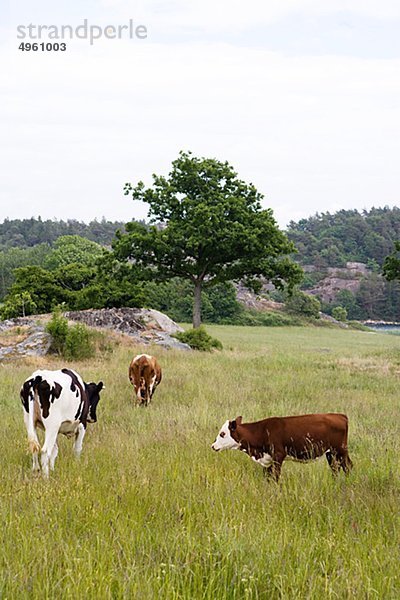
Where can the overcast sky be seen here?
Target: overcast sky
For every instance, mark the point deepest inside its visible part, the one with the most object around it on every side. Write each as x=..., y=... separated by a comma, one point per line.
x=302, y=97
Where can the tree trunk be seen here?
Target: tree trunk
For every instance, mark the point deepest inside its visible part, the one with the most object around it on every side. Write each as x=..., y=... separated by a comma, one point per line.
x=197, y=304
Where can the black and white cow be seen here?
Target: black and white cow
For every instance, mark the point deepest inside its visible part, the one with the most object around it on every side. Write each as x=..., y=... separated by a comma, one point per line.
x=57, y=402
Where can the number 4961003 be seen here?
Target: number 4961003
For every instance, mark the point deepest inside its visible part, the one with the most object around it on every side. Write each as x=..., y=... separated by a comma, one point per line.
x=42, y=47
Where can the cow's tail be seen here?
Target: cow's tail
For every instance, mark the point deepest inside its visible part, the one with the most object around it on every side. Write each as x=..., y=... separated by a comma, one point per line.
x=33, y=443
x=346, y=430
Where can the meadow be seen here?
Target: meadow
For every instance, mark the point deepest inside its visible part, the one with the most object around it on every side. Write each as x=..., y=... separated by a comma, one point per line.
x=150, y=511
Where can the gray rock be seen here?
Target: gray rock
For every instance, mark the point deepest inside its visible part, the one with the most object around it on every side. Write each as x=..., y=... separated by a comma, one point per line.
x=37, y=343
x=143, y=325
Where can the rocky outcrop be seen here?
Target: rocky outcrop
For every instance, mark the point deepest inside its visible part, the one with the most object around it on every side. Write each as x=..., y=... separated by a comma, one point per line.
x=146, y=326
x=254, y=301
x=26, y=336
x=338, y=279
x=36, y=343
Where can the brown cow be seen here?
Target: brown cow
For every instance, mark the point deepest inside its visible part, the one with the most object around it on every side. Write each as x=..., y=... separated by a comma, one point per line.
x=304, y=437
x=145, y=375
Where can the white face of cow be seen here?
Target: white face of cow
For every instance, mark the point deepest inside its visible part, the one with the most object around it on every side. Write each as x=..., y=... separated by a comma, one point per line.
x=224, y=439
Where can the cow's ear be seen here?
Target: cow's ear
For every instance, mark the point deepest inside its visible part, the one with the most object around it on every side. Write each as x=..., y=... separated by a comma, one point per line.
x=238, y=420
x=100, y=386
x=232, y=425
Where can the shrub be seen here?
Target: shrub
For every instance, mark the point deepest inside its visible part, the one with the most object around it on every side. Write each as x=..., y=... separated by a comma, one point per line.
x=199, y=339
x=339, y=313
x=303, y=304
x=263, y=318
x=57, y=327
x=79, y=343
x=71, y=342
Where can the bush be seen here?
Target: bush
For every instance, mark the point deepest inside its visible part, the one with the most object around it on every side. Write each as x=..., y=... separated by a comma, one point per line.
x=199, y=339
x=57, y=327
x=303, y=304
x=71, y=342
x=79, y=343
x=339, y=313
x=261, y=318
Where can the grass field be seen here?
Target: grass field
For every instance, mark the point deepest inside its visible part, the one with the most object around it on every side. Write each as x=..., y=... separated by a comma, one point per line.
x=149, y=511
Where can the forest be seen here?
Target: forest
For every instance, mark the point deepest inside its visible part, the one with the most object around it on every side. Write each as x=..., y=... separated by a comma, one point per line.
x=332, y=240
x=48, y=262
x=25, y=233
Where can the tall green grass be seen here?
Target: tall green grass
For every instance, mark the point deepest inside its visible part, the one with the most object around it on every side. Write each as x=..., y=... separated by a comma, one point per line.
x=149, y=511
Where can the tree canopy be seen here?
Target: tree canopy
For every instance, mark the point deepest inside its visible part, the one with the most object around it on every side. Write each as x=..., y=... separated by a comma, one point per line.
x=391, y=266
x=30, y=232
x=332, y=239
x=207, y=226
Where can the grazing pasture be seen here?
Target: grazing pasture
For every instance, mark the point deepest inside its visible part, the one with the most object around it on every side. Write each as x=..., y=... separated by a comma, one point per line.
x=150, y=511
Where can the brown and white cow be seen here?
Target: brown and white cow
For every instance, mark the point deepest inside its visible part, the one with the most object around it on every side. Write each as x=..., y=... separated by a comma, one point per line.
x=302, y=438
x=57, y=402
x=145, y=375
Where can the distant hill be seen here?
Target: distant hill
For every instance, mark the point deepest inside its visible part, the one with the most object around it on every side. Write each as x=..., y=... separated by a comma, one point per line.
x=332, y=240
x=25, y=233
x=342, y=255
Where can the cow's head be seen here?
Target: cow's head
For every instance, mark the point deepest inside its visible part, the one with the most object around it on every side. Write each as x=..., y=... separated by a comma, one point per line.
x=226, y=437
x=93, y=393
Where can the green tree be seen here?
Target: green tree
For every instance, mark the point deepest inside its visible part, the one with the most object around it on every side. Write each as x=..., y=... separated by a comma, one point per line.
x=73, y=249
x=303, y=304
x=347, y=300
x=42, y=286
x=339, y=313
x=391, y=265
x=212, y=230
x=18, y=305
x=12, y=258
x=175, y=298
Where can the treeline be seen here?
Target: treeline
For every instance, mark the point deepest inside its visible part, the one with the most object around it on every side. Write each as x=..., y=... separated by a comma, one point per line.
x=331, y=240
x=26, y=233
x=41, y=266
x=77, y=274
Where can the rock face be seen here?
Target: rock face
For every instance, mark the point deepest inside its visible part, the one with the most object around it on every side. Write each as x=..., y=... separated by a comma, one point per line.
x=27, y=335
x=337, y=279
x=36, y=343
x=146, y=326
x=256, y=302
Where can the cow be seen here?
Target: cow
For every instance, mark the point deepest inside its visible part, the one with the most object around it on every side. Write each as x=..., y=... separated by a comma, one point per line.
x=302, y=438
x=57, y=402
x=145, y=375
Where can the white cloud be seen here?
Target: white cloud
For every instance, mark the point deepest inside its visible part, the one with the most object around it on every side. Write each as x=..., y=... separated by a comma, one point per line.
x=312, y=133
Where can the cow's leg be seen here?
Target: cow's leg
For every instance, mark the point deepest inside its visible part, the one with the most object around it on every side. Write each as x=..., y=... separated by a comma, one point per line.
x=153, y=386
x=139, y=399
x=35, y=454
x=332, y=461
x=345, y=462
x=34, y=444
x=80, y=434
x=267, y=471
x=277, y=466
x=35, y=462
x=48, y=448
x=53, y=456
